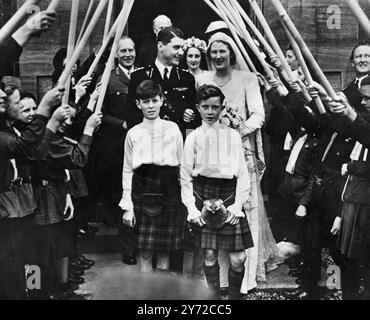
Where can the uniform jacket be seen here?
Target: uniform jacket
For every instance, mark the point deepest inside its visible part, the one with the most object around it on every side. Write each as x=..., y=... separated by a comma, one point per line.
x=294, y=185
x=16, y=197
x=10, y=52
x=179, y=94
x=111, y=135
x=17, y=147
x=353, y=95
x=49, y=176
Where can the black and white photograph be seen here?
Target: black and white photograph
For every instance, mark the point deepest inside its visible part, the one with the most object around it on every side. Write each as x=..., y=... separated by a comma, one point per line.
x=197, y=152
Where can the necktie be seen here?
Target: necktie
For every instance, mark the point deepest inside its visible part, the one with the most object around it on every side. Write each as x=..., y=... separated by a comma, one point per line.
x=334, y=135
x=165, y=75
x=295, y=153
x=357, y=82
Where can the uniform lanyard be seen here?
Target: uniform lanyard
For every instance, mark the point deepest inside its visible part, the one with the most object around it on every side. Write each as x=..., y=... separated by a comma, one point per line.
x=66, y=171
x=334, y=135
x=13, y=162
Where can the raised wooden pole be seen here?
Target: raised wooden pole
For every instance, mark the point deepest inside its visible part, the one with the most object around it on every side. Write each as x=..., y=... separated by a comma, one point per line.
x=86, y=19
x=255, y=30
x=108, y=19
x=249, y=40
x=126, y=9
x=304, y=48
x=306, y=71
x=248, y=64
x=360, y=15
x=261, y=18
x=82, y=44
x=104, y=45
x=71, y=43
x=54, y=4
x=12, y=25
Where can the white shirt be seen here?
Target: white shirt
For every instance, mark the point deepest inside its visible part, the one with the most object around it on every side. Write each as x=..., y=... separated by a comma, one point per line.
x=360, y=80
x=157, y=142
x=216, y=152
x=127, y=72
x=161, y=68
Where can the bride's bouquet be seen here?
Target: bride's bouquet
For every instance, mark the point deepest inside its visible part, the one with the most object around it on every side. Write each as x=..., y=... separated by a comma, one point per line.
x=230, y=117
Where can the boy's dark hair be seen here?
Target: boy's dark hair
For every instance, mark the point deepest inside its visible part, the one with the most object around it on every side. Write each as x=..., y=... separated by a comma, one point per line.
x=207, y=91
x=232, y=53
x=365, y=43
x=167, y=34
x=289, y=48
x=10, y=89
x=28, y=95
x=148, y=89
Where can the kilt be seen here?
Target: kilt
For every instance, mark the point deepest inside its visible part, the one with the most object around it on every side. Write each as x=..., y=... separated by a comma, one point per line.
x=164, y=232
x=229, y=238
x=354, y=238
x=51, y=202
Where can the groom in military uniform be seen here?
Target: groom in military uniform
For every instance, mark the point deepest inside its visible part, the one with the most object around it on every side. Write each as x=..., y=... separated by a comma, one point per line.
x=178, y=85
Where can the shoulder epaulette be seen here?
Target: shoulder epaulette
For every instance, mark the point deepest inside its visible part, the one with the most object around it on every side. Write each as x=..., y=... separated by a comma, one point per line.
x=138, y=69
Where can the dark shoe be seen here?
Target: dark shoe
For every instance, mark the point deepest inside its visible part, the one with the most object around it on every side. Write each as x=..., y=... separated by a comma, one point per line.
x=65, y=291
x=92, y=228
x=75, y=280
x=77, y=264
x=297, y=294
x=129, y=258
x=76, y=273
x=299, y=281
x=85, y=232
x=85, y=261
x=295, y=273
x=67, y=295
x=73, y=286
x=77, y=267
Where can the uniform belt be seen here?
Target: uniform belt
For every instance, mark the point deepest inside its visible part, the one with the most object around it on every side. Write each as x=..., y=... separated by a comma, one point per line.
x=320, y=181
x=18, y=182
x=45, y=183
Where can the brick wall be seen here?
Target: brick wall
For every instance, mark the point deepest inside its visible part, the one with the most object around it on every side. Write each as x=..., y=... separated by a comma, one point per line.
x=36, y=61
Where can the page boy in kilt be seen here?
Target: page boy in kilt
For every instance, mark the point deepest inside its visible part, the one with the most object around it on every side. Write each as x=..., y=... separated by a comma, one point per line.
x=151, y=188
x=213, y=167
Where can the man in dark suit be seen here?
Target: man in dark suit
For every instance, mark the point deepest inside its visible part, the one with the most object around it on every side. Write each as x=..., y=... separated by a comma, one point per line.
x=178, y=85
x=111, y=142
x=360, y=59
